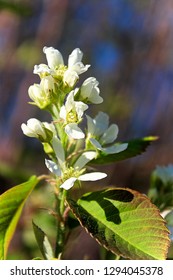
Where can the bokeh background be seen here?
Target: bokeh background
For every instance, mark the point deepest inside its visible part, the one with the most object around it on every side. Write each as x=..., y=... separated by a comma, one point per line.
x=129, y=44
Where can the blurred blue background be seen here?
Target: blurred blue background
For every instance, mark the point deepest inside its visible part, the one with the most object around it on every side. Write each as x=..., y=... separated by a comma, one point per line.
x=129, y=44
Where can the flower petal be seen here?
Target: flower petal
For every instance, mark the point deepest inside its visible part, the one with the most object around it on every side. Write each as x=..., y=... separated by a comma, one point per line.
x=69, y=183
x=42, y=69
x=70, y=77
x=35, y=92
x=59, y=150
x=95, y=98
x=95, y=143
x=74, y=131
x=90, y=91
x=27, y=131
x=84, y=159
x=115, y=148
x=53, y=56
x=87, y=87
x=69, y=104
x=63, y=113
x=74, y=62
x=47, y=84
x=74, y=57
x=34, y=128
x=97, y=126
x=90, y=125
x=50, y=127
x=101, y=123
x=53, y=167
x=110, y=134
x=94, y=176
x=80, y=108
x=80, y=68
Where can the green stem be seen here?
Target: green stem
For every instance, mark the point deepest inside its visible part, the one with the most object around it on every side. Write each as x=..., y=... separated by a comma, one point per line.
x=60, y=237
x=62, y=204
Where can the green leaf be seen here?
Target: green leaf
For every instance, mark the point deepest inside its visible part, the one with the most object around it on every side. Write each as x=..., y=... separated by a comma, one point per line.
x=43, y=243
x=125, y=222
x=135, y=147
x=11, y=205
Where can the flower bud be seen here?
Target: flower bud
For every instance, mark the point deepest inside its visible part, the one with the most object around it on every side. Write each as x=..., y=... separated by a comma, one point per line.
x=42, y=131
x=53, y=56
x=48, y=86
x=90, y=92
x=42, y=94
x=34, y=128
x=37, y=95
x=70, y=78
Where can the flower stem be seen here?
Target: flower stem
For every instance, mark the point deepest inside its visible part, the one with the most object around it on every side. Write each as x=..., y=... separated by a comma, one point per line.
x=61, y=229
x=62, y=204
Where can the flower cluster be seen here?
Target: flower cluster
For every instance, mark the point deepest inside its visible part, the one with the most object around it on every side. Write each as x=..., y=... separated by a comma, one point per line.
x=72, y=147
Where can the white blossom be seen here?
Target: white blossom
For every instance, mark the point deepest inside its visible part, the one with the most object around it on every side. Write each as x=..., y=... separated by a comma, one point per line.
x=72, y=130
x=75, y=67
x=69, y=177
x=53, y=167
x=33, y=128
x=59, y=152
x=56, y=67
x=42, y=93
x=47, y=84
x=72, y=113
x=70, y=78
x=37, y=94
x=59, y=167
x=42, y=70
x=84, y=159
x=74, y=62
x=100, y=134
x=93, y=176
x=53, y=56
x=89, y=91
x=41, y=130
